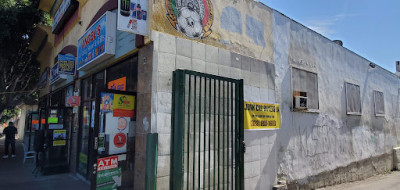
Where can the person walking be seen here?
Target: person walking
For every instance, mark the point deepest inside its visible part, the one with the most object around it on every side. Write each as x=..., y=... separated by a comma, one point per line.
x=10, y=132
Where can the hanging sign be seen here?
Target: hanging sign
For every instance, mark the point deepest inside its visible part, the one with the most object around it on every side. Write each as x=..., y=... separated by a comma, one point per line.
x=74, y=101
x=108, y=179
x=119, y=84
x=132, y=16
x=107, y=100
x=107, y=163
x=98, y=43
x=64, y=12
x=56, y=126
x=59, y=137
x=261, y=116
x=124, y=105
x=66, y=64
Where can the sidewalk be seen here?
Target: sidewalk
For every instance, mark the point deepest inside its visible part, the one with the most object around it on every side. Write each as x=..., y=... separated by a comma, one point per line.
x=389, y=181
x=17, y=176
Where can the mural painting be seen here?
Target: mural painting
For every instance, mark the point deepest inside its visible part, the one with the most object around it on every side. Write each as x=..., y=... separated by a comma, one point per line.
x=193, y=18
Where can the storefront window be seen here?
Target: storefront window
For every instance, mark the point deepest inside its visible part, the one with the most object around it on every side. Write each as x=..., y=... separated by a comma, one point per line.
x=123, y=76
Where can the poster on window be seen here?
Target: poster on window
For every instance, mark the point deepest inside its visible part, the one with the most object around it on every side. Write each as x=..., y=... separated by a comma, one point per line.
x=59, y=137
x=107, y=100
x=261, y=116
x=123, y=105
x=117, y=128
x=132, y=16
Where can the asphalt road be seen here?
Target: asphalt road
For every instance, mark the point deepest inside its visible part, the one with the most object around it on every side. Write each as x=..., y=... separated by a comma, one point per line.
x=380, y=182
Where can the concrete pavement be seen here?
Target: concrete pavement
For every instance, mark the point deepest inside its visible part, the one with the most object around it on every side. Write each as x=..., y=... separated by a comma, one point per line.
x=17, y=176
x=381, y=182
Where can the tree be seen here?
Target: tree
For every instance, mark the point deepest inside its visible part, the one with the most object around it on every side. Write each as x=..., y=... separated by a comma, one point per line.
x=19, y=70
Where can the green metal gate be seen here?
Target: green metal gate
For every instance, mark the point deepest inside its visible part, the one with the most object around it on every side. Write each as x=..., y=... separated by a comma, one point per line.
x=207, y=132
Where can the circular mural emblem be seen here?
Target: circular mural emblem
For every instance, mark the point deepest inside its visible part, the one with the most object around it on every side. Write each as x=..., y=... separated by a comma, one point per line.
x=193, y=18
x=119, y=140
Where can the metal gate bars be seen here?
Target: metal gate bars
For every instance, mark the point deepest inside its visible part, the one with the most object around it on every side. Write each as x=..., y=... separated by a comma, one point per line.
x=207, y=132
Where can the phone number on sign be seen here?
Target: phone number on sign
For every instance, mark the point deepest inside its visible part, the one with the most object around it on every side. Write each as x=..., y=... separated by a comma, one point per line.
x=259, y=123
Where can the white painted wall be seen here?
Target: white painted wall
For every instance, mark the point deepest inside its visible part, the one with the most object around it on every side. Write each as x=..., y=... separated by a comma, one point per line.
x=311, y=143
x=307, y=143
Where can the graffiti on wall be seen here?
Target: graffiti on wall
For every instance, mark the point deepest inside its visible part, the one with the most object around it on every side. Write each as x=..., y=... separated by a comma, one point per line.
x=193, y=18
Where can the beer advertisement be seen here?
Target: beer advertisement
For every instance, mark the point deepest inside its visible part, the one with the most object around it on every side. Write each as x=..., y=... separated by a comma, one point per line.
x=132, y=16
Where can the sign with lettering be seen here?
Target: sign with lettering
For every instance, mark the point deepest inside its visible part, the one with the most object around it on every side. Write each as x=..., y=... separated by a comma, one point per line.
x=107, y=163
x=98, y=43
x=109, y=179
x=132, y=16
x=66, y=64
x=64, y=12
x=119, y=84
x=261, y=116
x=54, y=74
x=124, y=105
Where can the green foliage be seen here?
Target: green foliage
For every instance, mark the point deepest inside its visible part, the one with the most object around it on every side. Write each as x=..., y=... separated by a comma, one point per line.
x=19, y=69
x=9, y=114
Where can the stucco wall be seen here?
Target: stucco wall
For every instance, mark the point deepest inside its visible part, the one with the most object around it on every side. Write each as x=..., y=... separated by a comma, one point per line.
x=309, y=143
x=312, y=143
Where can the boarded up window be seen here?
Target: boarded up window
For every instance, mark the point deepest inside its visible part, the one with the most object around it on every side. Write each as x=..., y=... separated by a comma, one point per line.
x=379, y=103
x=353, y=99
x=305, y=83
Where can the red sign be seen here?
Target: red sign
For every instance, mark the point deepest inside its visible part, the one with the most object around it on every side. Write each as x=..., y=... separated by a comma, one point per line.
x=107, y=163
x=119, y=140
x=43, y=121
x=74, y=100
x=35, y=122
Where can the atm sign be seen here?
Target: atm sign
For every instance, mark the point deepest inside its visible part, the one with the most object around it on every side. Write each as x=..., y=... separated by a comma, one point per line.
x=107, y=163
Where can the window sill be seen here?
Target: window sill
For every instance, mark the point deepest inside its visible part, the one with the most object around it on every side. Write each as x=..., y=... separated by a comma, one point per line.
x=306, y=110
x=354, y=113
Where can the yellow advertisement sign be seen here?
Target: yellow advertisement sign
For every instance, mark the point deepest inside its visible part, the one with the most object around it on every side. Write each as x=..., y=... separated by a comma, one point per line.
x=261, y=116
x=124, y=105
x=59, y=137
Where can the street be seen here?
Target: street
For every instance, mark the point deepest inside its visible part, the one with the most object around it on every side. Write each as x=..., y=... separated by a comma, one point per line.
x=381, y=182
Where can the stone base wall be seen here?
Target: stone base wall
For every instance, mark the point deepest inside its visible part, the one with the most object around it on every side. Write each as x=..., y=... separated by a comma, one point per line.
x=355, y=171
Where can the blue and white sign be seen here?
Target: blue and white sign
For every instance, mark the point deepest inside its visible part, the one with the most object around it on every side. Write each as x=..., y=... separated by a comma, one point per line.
x=66, y=64
x=54, y=74
x=65, y=10
x=98, y=43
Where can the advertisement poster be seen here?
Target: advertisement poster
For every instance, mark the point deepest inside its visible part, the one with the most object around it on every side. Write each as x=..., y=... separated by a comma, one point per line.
x=56, y=126
x=124, y=105
x=132, y=16
x=108, y=179
x=59, y=137
x=119, y=84
x=107, y=163
x=117, y=128
x=107, y=100
x=69, y=92
x=52, y=120
x=261, y=116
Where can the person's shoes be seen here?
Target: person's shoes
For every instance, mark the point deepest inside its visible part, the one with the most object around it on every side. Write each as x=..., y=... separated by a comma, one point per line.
x=13, y=156
x=5, y=156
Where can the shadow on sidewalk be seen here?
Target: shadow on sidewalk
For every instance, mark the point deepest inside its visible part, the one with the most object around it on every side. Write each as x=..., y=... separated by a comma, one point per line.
x=17, y=176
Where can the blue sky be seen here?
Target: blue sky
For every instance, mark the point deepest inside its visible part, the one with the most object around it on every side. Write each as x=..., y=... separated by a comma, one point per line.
x=369, y=28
